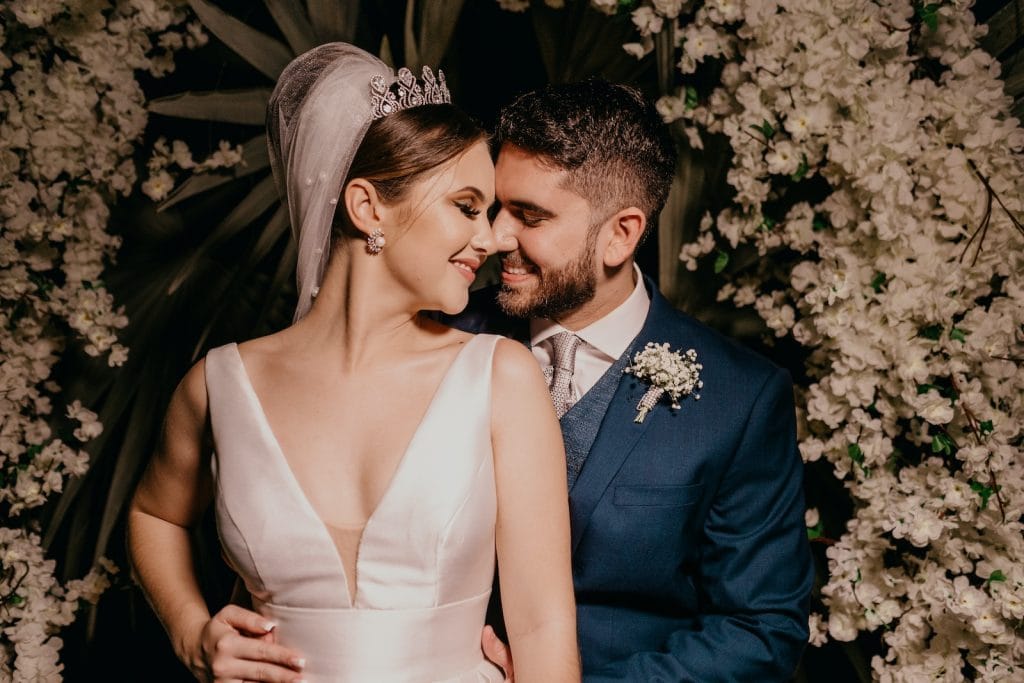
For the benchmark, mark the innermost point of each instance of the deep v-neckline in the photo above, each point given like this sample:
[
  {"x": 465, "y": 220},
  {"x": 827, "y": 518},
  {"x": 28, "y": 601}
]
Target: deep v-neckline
[{"x": 301, "y": 494}]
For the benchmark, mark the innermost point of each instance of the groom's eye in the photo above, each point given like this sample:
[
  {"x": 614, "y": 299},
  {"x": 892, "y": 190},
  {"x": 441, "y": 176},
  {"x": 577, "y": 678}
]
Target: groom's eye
[{"x": 530, "y": 220}]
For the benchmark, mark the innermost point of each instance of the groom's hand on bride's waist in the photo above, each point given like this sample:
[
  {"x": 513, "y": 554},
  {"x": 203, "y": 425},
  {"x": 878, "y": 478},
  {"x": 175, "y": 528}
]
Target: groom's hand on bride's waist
[
  {"x": 237, "y": 644},
  {"x": 497, "y": 652}
]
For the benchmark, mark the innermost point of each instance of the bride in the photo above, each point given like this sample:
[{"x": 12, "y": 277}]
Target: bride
[{"x": 367, "y": 465}]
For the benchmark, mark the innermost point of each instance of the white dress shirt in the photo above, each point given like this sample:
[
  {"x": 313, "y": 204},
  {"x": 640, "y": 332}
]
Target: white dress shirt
[{"x": 604, "y": 340}]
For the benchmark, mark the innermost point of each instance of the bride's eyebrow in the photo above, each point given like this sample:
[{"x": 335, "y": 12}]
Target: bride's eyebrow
[{"x": 473, "y": 190}]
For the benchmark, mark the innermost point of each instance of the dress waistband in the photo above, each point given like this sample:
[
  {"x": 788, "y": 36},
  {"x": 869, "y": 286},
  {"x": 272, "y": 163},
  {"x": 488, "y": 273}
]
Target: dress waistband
[{"x": 426, "y": 644}]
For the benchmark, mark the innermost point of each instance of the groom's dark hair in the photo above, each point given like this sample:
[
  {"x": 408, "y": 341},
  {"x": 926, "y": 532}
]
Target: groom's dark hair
[{"x": 609, "y": 139}]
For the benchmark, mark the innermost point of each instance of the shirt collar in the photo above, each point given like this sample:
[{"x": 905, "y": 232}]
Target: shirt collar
[{"x": 612, "y": 334}]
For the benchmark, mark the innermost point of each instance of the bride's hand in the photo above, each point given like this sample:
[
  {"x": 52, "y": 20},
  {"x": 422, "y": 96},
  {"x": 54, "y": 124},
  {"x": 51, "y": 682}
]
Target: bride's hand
[
  {"x": 497, "y": 652},
  {"x": 237, "y": 645}
]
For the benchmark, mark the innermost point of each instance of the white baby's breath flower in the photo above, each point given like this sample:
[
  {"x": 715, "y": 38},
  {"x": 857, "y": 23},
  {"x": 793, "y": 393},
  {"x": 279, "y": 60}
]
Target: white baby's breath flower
[{"x": 668, "y": 372}]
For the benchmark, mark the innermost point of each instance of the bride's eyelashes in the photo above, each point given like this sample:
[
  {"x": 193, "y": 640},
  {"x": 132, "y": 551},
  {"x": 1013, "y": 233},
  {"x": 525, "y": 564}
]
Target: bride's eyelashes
[{"x": 467, "y": 209}]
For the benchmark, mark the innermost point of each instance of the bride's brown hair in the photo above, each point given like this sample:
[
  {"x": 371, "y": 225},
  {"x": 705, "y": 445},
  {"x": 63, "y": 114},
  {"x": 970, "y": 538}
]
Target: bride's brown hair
[{"x": 403, "y": 146}]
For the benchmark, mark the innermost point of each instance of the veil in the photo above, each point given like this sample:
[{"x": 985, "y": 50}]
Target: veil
[{"x": 317, "y": 117}]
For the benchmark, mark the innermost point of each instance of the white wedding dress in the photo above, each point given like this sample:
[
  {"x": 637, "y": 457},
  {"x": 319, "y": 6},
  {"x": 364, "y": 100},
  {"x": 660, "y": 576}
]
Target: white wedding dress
[{"x": 424, "y": 563}]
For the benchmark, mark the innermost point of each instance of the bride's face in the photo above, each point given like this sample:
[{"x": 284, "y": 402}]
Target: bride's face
[{"x": 444, "y": 234}]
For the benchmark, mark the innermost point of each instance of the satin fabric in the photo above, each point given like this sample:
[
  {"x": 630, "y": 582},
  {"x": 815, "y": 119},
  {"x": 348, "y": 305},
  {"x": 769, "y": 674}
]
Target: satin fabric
[{"x": 425, "y": 561}]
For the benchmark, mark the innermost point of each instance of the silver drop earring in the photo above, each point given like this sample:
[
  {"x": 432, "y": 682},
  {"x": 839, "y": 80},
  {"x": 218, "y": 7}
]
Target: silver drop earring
[{"x": 375, "y": 241}]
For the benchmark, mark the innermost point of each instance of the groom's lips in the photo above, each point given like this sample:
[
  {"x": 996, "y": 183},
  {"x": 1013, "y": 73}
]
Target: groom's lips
[
  {"x": 514, "y": 270},
  {"x": 515, "y": 273}
]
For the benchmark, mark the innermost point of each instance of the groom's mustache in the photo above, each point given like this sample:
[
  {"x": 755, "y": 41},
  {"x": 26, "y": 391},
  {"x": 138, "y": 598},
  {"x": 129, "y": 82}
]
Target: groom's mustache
[{"x": 513, "y": 259}]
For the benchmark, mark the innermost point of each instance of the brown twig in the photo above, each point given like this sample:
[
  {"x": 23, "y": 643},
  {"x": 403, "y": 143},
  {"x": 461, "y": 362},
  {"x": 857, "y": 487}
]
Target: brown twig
[
  {"x": 9, "y": 574},
  {"x": 975, "y": 426},
  {"x": 763, "y": 142},
  {"x": 986, "y": 219}
]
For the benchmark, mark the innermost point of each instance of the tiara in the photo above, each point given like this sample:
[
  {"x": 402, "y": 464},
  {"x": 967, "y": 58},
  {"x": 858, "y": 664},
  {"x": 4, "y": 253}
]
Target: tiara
[{"x": 407, "y": 92}]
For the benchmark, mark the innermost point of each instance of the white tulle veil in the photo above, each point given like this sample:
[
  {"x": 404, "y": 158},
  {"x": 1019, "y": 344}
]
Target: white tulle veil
[{"x": 317, "y": 117}]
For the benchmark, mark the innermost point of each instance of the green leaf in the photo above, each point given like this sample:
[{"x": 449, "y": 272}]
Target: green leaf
[
  {"x": 767, "y": 224},
  {"x": 764, "y": 129},
  {"x": 924, "y": 388},
  {"x": 436, "y": 24},
  {"x": 958, "y": 334},
  {"x": 986, "y": 427},
  {"x": 997, "y": 575},
  {"x": 265, "y": 54},
  {"x": 983, "y": 491},
  {"x": 815, "y": 532},
  {"x": 877, "y": 281},
  {"x": 932, "y": 332},
  {"x": 247, "y": 107},
  {"x": 801, "y": 170},
  {"x": 690, "y": 100},
  {"x": 941, "y": 443},
  {"x": 294, "y": 24},
  {"x": 245, "y": 213},
  {"x": 855, "y": 453},
  {"x": 333, "y": 20},
  {"x": 819, "y": 223},
  {"x": 929, "y": 15},
  {"x": 721, "y": 261}
]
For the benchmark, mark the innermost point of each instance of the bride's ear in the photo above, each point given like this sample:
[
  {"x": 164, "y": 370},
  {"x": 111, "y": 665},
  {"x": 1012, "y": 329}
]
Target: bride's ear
[{"x": 363, "y": 205}]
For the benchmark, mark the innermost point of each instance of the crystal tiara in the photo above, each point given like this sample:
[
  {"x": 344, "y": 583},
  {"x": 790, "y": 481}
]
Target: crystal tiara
[{"x": 407, "y": 92}]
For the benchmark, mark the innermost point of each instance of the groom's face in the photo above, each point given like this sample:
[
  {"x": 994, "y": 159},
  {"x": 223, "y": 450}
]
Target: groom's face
[{"x": 550, "y": 266}]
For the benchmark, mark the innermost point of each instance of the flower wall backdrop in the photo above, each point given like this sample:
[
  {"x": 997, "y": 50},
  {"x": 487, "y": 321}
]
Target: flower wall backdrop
[
  {"x": 874, "y": 225},
  {"x": 875, "y": 170},
  {"x": 72, "y": 113}
]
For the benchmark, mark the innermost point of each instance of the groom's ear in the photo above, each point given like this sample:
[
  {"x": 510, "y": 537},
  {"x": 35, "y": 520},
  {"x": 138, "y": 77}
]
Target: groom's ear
[
  {"x": 364, "y": 206},
  {"x": 627, "y": 227}
]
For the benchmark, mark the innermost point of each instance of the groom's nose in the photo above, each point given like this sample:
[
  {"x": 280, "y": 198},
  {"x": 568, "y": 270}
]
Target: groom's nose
[{"x": 504, "y": 228}]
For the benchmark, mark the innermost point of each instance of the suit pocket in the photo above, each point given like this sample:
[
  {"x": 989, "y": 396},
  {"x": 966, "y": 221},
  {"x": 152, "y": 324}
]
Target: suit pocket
[{"x": 657, "y": 496}]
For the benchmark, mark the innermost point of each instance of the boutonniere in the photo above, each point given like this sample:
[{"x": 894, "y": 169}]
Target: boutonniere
[{"x": 668, "y": 372}]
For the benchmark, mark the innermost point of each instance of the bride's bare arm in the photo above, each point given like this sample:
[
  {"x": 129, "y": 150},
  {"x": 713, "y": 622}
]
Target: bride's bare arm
[
  {"x": 170, "y": 498},
  {"x": 533, "y": 521}
]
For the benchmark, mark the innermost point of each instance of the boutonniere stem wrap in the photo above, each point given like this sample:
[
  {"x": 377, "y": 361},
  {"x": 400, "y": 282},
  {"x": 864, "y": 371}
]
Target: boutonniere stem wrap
[{"x": 668, "y": 372}]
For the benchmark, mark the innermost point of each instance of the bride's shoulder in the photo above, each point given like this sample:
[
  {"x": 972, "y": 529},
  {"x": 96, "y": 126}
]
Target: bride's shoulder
[{"x": 513, "y": 364}]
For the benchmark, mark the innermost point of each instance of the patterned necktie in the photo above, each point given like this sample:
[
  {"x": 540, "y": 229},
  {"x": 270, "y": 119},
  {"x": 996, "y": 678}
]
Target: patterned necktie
[{"x": 563, "y": 346}]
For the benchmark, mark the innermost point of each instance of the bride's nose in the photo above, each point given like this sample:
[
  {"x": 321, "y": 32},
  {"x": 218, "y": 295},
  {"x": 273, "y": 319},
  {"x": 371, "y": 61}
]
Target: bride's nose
[{"x": 483, "y": 239}]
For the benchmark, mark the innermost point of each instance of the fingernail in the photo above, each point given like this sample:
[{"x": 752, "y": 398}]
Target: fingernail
[
  {"x": 269, "y": 626},
  {"x": 299, "y": 662}
]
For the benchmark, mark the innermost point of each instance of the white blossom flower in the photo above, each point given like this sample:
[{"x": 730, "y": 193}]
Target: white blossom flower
[
  {"x": 647, "y": 21},
  {"x": 910, "y": 333},
  {"x": 72, "y": 115}
]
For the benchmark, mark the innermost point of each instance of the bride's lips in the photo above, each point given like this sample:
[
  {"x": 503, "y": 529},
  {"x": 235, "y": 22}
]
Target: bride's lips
[{"x": 467, "y": 267}]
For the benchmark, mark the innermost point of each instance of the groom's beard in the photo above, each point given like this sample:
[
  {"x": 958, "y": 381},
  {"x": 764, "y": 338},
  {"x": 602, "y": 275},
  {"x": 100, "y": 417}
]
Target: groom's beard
[{"x": 553, "y": 292}]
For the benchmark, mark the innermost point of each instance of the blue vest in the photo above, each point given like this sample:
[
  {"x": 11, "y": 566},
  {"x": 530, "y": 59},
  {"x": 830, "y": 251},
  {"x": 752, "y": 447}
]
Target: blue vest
[{"x": 582, "y": 421}]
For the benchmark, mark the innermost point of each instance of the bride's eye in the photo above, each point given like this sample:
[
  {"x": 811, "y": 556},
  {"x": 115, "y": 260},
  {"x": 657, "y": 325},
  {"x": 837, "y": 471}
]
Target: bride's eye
[{"x": 467, "y": 209}]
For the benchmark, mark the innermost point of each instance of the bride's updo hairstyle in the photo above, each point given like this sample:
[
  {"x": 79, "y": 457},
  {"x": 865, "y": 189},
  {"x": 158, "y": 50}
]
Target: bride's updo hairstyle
[{"x": 327, "y": 125}]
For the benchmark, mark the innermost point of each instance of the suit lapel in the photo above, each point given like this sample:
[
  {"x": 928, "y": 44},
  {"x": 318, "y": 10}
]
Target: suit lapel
[
  {"x": 618, "y": 434},
  {"x": 615, "y": 441}
]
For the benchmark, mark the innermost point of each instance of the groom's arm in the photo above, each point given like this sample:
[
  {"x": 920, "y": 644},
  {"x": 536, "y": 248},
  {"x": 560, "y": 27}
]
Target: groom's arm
[{"x": 755, "y": 574}]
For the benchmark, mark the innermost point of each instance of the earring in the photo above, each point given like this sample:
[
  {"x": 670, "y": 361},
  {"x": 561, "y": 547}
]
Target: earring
[{"x": 375, "y": 241}]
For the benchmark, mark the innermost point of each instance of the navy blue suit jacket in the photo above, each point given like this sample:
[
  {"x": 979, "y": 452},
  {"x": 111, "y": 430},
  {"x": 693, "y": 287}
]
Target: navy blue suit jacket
[{"x": 690, "y": 556}]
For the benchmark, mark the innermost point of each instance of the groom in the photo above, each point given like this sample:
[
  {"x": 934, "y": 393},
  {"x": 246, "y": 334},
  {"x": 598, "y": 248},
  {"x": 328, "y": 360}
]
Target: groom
[{"x": 690, "y": 559}]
